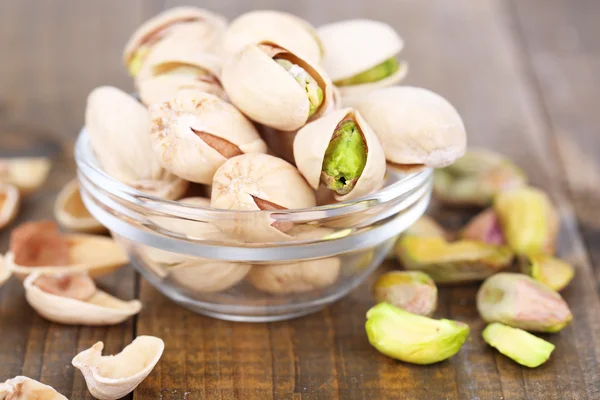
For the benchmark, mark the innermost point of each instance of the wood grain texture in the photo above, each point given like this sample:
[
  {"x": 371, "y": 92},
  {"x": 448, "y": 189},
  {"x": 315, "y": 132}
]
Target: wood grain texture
[{"x": 525, "y": 77}]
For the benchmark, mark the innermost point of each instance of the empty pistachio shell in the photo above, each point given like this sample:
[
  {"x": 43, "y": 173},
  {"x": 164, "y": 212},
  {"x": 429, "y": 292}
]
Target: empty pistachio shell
[
  {"x": 4, "y": 271},
  {"x": 113, "y": 377},
  {"x": 415, "y": 126},
  {"x": 456, "y": 262},
  {"x": 71, "y": 213},
  {"x": 207, "y": 276},
  {"x": 528, "y": 219},
  {"x": 24, "y": 388},
  {"x": 518, "y": 345},
  {"x": 522, "y": 302},
  {"x": 413, "y": 338},
  {"x": 254, "y": 182},
  {"x": 484, "y": 227},
  {"x": 475, "y": 178},
  {"x": 286, "y": 29},
  {"x": 195, "y": 133},
  {"x": 74, "y": 300},
  {"x": 280, "y": 96},
  {"x": 27, "y": 174},
  {"x": 341, "y": 151},
  {"x": 551, "y": 271},
  {"x": 190, "y": 28},
  {"x": 413, "y": 291},
  {"x": 10, "y": 201}
]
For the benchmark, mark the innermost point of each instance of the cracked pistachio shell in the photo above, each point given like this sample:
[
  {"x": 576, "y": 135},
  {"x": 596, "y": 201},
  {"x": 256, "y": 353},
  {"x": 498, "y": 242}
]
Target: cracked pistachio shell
[
  {"x": 24, "y": 388},
  {"x": 551, "y": 271},
  {"x": 475, "y": 178},
  {"x": 415, "y": 126},
  {"x": 312, "y": 141},
  {"x": 267, "y": 93},
  {"x": 66, "y": 304},
  {"x": 179, "y": 29},
  {"x": 484, "y": 227},
  {"x": 113, "y": 377},
  {"x": 456, "y": 262},
  {"x": 291, "y": 32},
  {"x": 413, "y": 338},
  {"x": 4, "y": 271},
  {"x": 26, "y": 173},
  {"x": 518, "y": 345},
  {"x": 253, "y": 182},
  {"x": 195, "y": 133},
  {"x": 208, "y": 276},
  {"x": 71, "y": 213},
  {"x": 10, "y": 201},
  {"x": 413, "y": 291},
  {"x": 522, "y": 302},
  {"x": 528, "y": 219}
]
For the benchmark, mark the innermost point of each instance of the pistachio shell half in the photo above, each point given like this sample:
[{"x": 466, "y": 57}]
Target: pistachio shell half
[
  {"x": 74, "y": 300},
  {"x": 10, "y": 201},
  {"x": 415, "y": 126},
  {"x": 27, "y": 174},
  {"x": 341, "y": 151},
  {"x": 413, "y": 291},
  {"x": 24, "y": 388},
  {"x": 272, "y": 94},
  {"x": 113, "y": 377},
  {"x": 208, "y": 276},
  {"x": 551, "y": 271},
  {"x": 71, "y": 213}
]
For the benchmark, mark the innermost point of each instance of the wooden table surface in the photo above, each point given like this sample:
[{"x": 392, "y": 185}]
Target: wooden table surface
[{"x": 525, "y": 75}]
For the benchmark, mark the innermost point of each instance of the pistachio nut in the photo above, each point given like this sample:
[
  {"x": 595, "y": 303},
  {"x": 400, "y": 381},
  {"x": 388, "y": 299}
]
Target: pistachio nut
[
  {"x": 113, "y": 377},
  {"x": 416, "y": 127},
  {"x": 360, "y": 55},
  {"x": 520, "y": 301},
  {"x": 484, "y": 227},
  {"x": 208, "y": 276},
  {"x": 258, "y": 26},
  {"x": 74, "y": 300},
  {"x": 528, "y": 219},
  {"x": 457, "y": 262},
  {"x": 517, "y": 344},
  {"x": 71, "y": 213},
  {"x": 10, "y": 201},
  {"x": 24, "y": 388},
  {"x": 475, "y": 178},
  {"x": 426, "y": 226},
  {"x": 413, "y": 338},
  {"x": 26, "y": 173},
  {"x": 119, "y": 130},
  {"x": 195, "y": 133},
  {"x": 254, "y": 182},
  {"x": 193, "y": 29},
  {"x": 340, "y": 151},
  {"x": 413, "y": 291},
  {"x": 551, "y": 271},
  {"x": 4, "y": 272},
  {"x": 276, "y": 87}
]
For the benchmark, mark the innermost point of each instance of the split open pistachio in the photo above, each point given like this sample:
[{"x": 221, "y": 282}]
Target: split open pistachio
[
  {"x": 484, "y": 227},
  {"x": 413, "y": 338},
  {"x": 360, "y": 55},
  {"x": 475, "y": 178},
  {"x": 208, "y": 276},
  {"x": 551, "y": 271},
  {"x": 416, "y": 127},
  {"x": 113, "y": 377},
  {"x": 181, "y": 28},
  {"x": 528, "y": 219},
  {"x": 26, "y": 173},
  {"x": 194, "y": 133},
  {"x": 413, "y": 291},
  {"x": 24, "y": 388},
  {"x": 276, "y": 87},
  {"x": 456, "y": 262},
  {"x": 522, "y": 302},
  {"x": 518, "y": 345},
  {"x": 10, "y": 201},
  {"x": 341, "y": 152},
  {"x": 71, "y": 213}
]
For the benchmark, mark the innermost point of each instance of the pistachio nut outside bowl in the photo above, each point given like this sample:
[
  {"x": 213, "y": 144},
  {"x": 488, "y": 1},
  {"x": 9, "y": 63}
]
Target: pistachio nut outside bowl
[{"x": 188, "y": 253}]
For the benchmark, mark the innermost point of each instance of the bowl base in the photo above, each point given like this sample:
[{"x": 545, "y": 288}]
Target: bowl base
[{"x": 251, "y": 318}]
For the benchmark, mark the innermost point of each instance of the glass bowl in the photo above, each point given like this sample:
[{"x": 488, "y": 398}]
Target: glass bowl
[{"x": 197, "y": 257}]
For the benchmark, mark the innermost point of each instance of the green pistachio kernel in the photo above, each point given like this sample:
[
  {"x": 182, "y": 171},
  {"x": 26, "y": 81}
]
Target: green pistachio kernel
[
  {"x": 310, "y": 85},
  {"x": 517, "y": 344},
  {"x": 345, "y": 158},
  {"x": 137, "y": 60},
  {"x": 377, "y": 73}
]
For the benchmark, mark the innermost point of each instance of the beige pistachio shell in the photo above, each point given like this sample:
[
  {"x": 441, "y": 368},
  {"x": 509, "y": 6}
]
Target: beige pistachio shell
[
  {"x": 356, "y": 45},
  {"x": 99, "y": 309},
  {"x": 208, "y": 276},
  {"x": 267, "y": 93},
  {"x": 415, "y": 126},
  {"x": 113, "y": 377},
  {"x": 4, "y": 271},
  {"x": 92, "y": 254},
  {"x": 71, "y": 213},
  {"x": 291, "y": 32},
  {"x": 27, "y": 174},
  {"x": 170, "y": 187},
  {"x": 10, "y": 201},
  {"x": 195, "y": 133},
  {"x": 24, "y": 388},
  {"x": 311, "y": 143}
]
